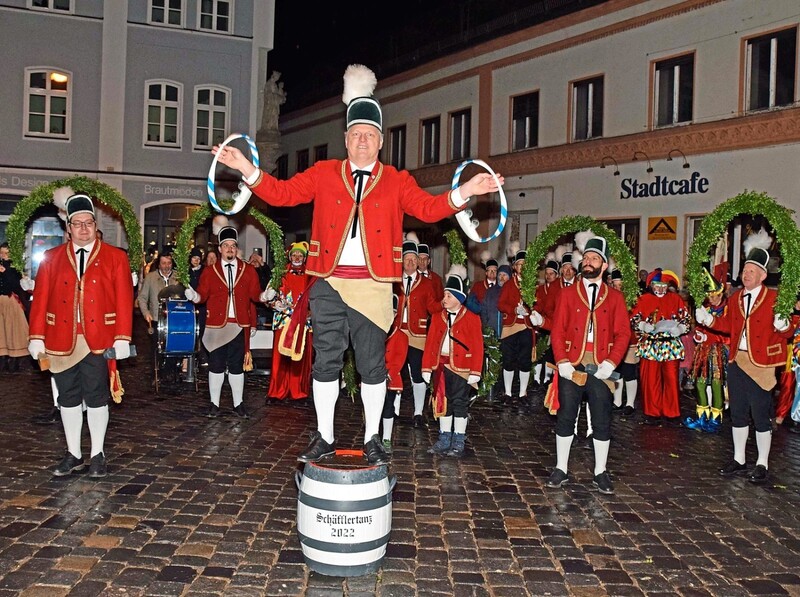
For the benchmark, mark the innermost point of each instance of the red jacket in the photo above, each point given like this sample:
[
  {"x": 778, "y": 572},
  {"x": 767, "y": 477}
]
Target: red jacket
[
  {"x": 546, "y": 300},
  {"x": 104, "y": 299},
  {"x": 611, "y": 325},
  {"x": 213, "y": 290},
  {"x": 438, "y": 285},
  {"x": 766, "y": 346},
  {"x": 422, "y": 304},
  {"x": 396, "y": 354},
  {"x": 510, "y": 296},
  {"x": 389, "y": 195},
  {"x": 466, "y": 346}
]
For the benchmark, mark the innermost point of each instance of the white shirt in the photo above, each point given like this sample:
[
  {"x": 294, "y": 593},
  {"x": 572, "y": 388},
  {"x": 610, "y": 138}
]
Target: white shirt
[
  {"x": 405, "y": 285},
  {"x": 587, "y": 286},
  {"x": 231, "y": 310},
  {"x": 75, "y": 250},
  {"x": 754, "y": 294}
]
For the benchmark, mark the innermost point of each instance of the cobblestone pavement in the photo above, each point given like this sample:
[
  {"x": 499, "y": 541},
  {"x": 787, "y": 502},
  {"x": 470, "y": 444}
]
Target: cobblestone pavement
[{"x": 197, "y": 506}]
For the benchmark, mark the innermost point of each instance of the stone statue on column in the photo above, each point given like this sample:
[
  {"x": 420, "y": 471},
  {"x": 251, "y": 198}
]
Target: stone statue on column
[{"x": 268, "y": 136}]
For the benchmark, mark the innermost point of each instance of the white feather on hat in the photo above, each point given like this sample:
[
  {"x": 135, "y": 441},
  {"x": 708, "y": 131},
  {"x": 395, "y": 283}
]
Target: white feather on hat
[
  {"x": 60, "y": 196},
  {"x": 513, "y": 249},
  {"x": 612, "y": 265},
  {"x": 551, "y": 256},
  {"x": 560, "y": 251},
  {"x": 485, "y": 255},
  {"x": 457, "y": 270},
  {"x": 412, "y": 236},
  {"x": 218, "y": 223},
  {"x": 359, "y": 81},
  {"x": 581, "y": 238},
  {"x": 757, "y": 240}
]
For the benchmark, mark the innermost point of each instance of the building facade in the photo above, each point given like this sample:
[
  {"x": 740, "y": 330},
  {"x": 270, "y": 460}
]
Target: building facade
[
  {"x": 132, "y": 93},
  {"x": 645, "y": 114}
]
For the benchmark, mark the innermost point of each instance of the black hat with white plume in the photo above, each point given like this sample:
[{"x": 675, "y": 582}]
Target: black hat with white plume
[
  {"x": 456, "y": 283},
  {"x": 756, "y": 248},
  {"x": 362, "y": 108}
]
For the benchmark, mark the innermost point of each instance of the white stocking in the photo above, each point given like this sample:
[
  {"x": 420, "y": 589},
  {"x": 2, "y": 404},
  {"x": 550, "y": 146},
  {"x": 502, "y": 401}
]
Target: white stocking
[
  {"x": 524, "y": 377},
  {"x": 237, "y": 387},
  {"x": 631, "y": 387},
  {"x": 618, "y": 386},
  {"x": 98, "y": 423},
  {"x": 460, "y": 425},
  {"x": 419, "y": 397},
  {"x": 215, "y": 381},
  {"x": 388, "y": 425},
  {"x": 600, "y": 455},
  {"x": 508, "y": 380},
  {"x": 445, "y": 424},
  {"x": 740, "y": 443},
  {"x": 72, "y": 418},
  {"x": 325, "y": 395},
  {"x": 563, "y": 445},
  {"x": 372, "y": 397},
  {"x": 764, "y": 442}
]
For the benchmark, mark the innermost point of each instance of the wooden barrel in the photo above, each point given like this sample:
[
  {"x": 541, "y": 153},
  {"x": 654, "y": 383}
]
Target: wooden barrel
[{"x": 344, "y": 514}]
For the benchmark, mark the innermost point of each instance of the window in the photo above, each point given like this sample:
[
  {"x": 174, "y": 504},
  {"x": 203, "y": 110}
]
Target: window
[
  {"x": 430, "y": 141},
  {"x": 587, "y": 109},
  {"x": 62, "y": 5},
  {"x": 673, "y": 90},
  {"x": 162, "y": 114},
  {"x": 48, "y": 103},
  {"x": 210, "y": 116},
  {"x": 282, "y": 167},
  {"x": 215, "y": 15},
  {"x": 320, "y": 153},
  {"x": 302, "y": 160},
  {"x": 167, "y": 12},
  {"x": 460, "y": 134},
  {"x": 525, "y": 121},
  {"x": 770, "y": 70},
  {"x": 628, "y": 231},
  {"x": 397, "y": 147}
]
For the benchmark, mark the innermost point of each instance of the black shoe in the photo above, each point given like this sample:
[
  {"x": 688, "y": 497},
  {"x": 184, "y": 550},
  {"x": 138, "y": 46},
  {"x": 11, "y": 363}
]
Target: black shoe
[
  {"x": 588, "y": 443},
  {"x": 317, "y": 449},
  {"x": 653, "y": 421},
  {"x": 420, "y": 422},
  {"x": 617, "y": 410},
  {"x": 557, "y": 478},
  {"x": 213, "y": 411},
  {"x": 602, "y": 483},
  {"x": 627, "y": 411},
  {"x": 241, "y": 412},
  {"x": 733, "y": 468},
  {"x": 374, "y": 451},
  {"x": 672, "y": 422},
  {"x": 50, "y": 418},
  {"x": 97, "y": 466},
  {"x": 68, "y": 465},
  {"x": 759, "y": 475}
]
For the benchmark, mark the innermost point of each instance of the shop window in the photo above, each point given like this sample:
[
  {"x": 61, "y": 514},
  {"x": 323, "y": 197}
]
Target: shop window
[
  {"x": 628, "y": 231},
  {"x": 525, "y": 121},
  {"x": 587, "y": 109},
  {"x": 211, "y": 107},
  {"x": 430, "y": 141},
  {"x": 460, "y": 134},
  {"x": 48, "y": 103},
  {"x": 162, "y": 114},
  {"x": 771, "y": 70},
  {"x": 673, "y": 90},
  {"x": 397, "y": 147}
]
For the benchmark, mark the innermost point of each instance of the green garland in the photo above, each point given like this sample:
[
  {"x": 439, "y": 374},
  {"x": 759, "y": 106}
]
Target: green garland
[
  {"x": 618, "y": 250},
  {"x": 713, "y": 227},
  {"x": 200, "y": 215},
  {"x": 43, "y": 194},
  {"x": 458, "y": 255},
  {"x": 491, "y": 347}
]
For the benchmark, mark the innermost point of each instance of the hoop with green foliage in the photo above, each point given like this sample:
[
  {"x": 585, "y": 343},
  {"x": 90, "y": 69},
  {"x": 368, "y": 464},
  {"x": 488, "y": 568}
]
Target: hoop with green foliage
[
  {"x": 200, "y": 215},
  {"x": 713, "y": 227},
  {"x": 43, "y": 194},
  {"x": 618, "y": 250}
]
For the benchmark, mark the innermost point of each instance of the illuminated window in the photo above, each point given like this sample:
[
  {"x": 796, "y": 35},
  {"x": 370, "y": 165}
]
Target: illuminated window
[
  {"x": 587, "y": 109},
  {"x": 525, "y": 121},
  {"x": 48, "y": 103},
  {"x": 430, "y": 141},
  {"x": 673, "y": 90},
  {"x": 460, "y": 134},
  {"x": 770, "y": 70}
]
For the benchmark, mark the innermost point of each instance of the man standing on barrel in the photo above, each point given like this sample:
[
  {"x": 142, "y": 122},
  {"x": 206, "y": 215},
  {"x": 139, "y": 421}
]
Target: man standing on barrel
[{"x": 82, "y": 306}]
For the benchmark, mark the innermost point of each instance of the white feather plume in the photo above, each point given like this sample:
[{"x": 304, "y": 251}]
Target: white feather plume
[
  {"x": 757, "y": 240},
  {"x": 612, "y": 265},
  {"x": 513, "y": 249},
  {"x": 457, "y": 270},
  {"x": 551, "y": 256},
  {"x": 562, "y": 250},
  {"x": 577, "y": 257},
  {"x": 60, "y": 196},
  {"x": 359, "y": 81},
  {"x": 412, "y": 236},
  {"x": 485, "y": 255},
  {"x": 581, "y": 238},
  {"x": 218, "y": 223}
]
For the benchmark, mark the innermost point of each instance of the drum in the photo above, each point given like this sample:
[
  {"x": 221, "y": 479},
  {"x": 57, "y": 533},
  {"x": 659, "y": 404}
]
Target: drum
[{"x": 178, "y": 327}]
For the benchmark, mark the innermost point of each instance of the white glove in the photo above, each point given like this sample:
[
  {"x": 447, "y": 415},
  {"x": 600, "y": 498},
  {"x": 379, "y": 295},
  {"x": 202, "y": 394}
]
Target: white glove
[
  {"x": 703, "y": 316},
  {"x": 566, "y": 370},
  {"x": 268, "y": 294},
  {"x": 781, "y": 323},
  {"x": 521, "y": 311},
  {"x": 36, "y": 347},
  {"x": 473, "y": 380},
  {"x": 253, "y": 332},
  {"x": 191, "y": 294},
  {"x": 536, "y": 318},
  {"x": 426, "y": 376},
  {"x": 604, "y": 370},
  {"x": 135, "y": 278},
  {"x": 27, "y": 284},
  {"x": 122, "y": 349},
  {"x": 664, "y": 326},
  {"x": 645, "y": 327}
]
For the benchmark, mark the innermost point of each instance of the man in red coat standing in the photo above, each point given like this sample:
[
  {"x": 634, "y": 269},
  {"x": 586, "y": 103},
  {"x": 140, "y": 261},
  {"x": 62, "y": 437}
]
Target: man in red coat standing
[
  {"x": 590, "y": 330},
  {"x": 355, "y": 252},
  {"x": 229, "y": 289},
  {"x": 82, "y": 305},
  {"x": 424, "y": 259},
  {"x": 758, "y": 346}
]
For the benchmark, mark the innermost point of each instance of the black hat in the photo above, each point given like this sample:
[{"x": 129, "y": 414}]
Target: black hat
[
  {"x": 520, "y": 256},
  {"x": 228, "y": 233},
  {"x": 423, "y": 249},
  {"x": 455, "y": 286},
  {"x": 759, "y": 257},
  {"x": 566, "y": 258},
  {"x": 597, "y": 244},
  {"x": 195, "y": 252},
  {"x": 490, "y": 263},
  {"x": 552, "y": 264},
  {"x": 616, "y": 274},
  {"x": 79, "y": 204},
  {"x": 409, "y": 246},
  {"x": 362, "y": 108}
]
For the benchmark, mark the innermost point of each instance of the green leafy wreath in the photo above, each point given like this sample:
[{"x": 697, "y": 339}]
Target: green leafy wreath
[
  {"x": 43, "y": 194},
  {"x": 713, "y": 227},
  {"x": 200, "y": 215},
  {"x": 537, "y": 251}
]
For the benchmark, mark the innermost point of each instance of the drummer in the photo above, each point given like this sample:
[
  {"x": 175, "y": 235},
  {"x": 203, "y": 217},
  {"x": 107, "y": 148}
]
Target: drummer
[{"x": 155, "y": 287}]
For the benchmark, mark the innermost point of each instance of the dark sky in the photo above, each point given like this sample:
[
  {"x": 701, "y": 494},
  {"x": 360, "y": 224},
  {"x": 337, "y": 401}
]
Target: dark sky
[{"x": 314, "y": 42}]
